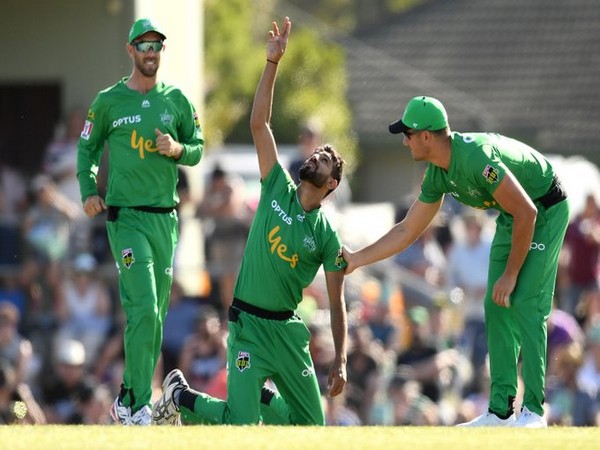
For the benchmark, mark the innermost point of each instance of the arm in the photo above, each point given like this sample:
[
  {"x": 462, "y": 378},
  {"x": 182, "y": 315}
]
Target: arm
[
  {"x": 400, "y": 237},
  {"x": 339, "y": 328},
  {"x": 513, "y": 199},
  {"x": 263, "y": 100}
]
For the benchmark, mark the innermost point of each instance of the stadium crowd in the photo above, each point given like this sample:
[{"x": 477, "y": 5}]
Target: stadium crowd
[{"x": 415, "y": 358}]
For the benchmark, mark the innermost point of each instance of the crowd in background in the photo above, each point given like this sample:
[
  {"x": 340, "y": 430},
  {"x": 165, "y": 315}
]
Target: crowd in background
[{"x": 414, "y": 358}]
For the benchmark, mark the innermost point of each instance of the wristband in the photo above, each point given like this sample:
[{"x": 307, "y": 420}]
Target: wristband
[{"x": 272, "y": 62}]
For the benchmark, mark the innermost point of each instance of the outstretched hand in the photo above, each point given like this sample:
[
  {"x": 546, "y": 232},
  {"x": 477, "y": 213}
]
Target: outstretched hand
[
  {"x": 277, "y": 42},
  {"x": 348, "y": 256}
]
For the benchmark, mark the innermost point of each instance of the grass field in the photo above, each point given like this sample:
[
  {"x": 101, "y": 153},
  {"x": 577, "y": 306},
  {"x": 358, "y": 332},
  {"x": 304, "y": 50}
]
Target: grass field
[{"x": 290, "y": 438}]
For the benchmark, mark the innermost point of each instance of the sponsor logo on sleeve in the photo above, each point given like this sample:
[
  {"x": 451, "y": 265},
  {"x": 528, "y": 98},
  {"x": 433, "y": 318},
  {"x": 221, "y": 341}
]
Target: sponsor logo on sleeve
[
  {"x": 491, "y": 174},
  {"x": 87, "y": 130}
]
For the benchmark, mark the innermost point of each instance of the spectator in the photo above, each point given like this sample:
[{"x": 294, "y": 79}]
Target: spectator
[
  {"x": 567, "y": 403},
  {"x": 466, "y": 273},
  {"x": 227, "y": 218},
  {"x": 310, "y": 137},
  {"x": 179, "y": 324},
  {"x": 563, "y": 330},
  {"x": 364, "y": 373},
  {"x": 66, "y": 383},
  {"x": 426, "y": 257},
  {"x": 14, "y": 348},
  {"x": 432, "y": 368},
  {"x": 582, "y": 244},
  {"x": 204, "y": 352},
  {"x": 85, "y": 309},
  {"x": 17, "y": 403},
  {"x": 589, "y": 375},
  {"x": 407, "y": 405}
]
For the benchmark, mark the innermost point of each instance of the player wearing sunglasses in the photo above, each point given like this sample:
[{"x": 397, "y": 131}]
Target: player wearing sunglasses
[{"x": 150, "y": 127}]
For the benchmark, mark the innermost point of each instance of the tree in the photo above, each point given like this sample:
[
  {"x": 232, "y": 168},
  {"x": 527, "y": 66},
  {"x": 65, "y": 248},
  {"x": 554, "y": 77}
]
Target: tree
[{"x": 311, "y": 85}]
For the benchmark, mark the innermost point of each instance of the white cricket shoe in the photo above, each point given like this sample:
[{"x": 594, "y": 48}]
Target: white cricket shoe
[
  {"x": 489, "y": 420},
  {"x": 142, "y": 417},
  {"x": 529, "y": 419},
  {"x": 166, "y": 411},
  {"x": 120, "y": 414}
]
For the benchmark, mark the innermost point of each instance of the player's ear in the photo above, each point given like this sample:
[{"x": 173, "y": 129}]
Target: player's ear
[{"x": 332, "y": 183}]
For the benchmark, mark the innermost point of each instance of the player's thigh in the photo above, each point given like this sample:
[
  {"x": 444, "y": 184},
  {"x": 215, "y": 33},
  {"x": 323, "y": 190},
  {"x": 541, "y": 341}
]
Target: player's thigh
[{"x": 296, "y": 379}]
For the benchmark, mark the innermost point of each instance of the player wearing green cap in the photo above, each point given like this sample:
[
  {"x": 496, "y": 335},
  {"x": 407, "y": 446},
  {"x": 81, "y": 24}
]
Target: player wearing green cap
[
  {"x": 150, "y": 128},
  {"x": 290, "y": 239},
  {"x": 486, "y": 170}
]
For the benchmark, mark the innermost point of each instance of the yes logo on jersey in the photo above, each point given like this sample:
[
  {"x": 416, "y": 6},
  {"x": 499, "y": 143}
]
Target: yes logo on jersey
[
  {"x": 127, "y": 257},
  {"x": 243, "y": 361},
  {"x": 491, "y": 174}
]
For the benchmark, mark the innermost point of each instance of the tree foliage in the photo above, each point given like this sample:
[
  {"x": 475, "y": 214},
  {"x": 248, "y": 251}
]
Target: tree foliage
[{"x": 312, "y": 80}]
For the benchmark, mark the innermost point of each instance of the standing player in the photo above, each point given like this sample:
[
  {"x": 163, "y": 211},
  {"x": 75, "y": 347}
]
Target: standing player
[
  {"x": 150, "y": 127},
  {"x": 289, "y": 240},
  {"x": 485, "y": 170}
]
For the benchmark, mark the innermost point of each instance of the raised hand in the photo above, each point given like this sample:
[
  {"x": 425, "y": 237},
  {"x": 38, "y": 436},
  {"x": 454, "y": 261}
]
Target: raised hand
[{"x": 277, "y": 42}]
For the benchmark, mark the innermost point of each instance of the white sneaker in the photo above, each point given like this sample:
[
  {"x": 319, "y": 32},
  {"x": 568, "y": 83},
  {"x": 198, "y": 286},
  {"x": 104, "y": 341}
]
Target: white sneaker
[
  {"x": 489, "y": 420},
  {"x": 119, "y": 413},
  {"x": 142, "y": 417},
  {"x": 166, "y": 411},
  {"x": 529, "y": 419}
]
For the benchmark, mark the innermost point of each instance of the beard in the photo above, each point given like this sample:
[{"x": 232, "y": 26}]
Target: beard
[
  {"x": 148, "y": 72},
  {"x": 308, "y": 172}
]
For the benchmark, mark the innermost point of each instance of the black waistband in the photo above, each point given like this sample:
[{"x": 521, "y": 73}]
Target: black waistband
[
  {"x": 555, "y": 194},
  {"x": 259, "y": 312},
  {"x": 148, "y": 209}
]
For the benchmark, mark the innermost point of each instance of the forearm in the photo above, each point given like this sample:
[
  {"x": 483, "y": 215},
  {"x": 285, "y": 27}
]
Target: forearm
[
  {"x": 396, "y": 240},
  {"x": 522, "y": 235},
  {"x": 339, "y": 327},
  {"x": 263, "y": 98}
]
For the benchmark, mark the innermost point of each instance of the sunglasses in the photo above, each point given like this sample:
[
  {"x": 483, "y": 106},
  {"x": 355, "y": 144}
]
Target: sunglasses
[
  {"x": 145, "y": 46},
  {"x": 409, "y": 134}
]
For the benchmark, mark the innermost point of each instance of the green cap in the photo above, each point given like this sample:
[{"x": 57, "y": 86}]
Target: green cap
[
  {"x": 421, "y": 113},
  {"x": 142, "y": 26}
]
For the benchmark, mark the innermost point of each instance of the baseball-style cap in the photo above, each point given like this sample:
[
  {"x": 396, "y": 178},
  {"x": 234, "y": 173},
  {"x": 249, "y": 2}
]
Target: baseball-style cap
[
  {"x": 142, "y": 26},
  {"x": 421, "y": 113}
]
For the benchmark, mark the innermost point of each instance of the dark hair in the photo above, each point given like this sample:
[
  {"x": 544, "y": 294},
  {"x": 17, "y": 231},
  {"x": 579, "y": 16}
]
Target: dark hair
[{"x": 338, "y": 163}]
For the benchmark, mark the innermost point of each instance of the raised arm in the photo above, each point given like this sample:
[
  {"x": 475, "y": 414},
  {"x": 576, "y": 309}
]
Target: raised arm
[{"x": 264, "y": 141}]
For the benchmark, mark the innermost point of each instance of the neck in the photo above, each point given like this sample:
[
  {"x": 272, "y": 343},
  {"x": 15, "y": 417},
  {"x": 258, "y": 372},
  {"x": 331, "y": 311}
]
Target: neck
[
  {"x": 441, "y": 154},
  {"x": 310, "y": 197},
  {"x": 140, "y": 83}
]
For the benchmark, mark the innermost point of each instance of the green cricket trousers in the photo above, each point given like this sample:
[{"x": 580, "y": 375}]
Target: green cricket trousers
[
  {"x": 521, "y": 328},
  {"x": 262, "y": 345},
  {"x": 143, "y": 244}
]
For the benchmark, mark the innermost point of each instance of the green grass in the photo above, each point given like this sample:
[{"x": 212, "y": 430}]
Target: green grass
[{"x": 290, "y": 438}]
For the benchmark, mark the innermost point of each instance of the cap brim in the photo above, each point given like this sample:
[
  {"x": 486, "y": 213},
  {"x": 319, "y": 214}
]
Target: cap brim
[
  {"x": 398, "y": 127},
  {"x": 148, "y": 31}
]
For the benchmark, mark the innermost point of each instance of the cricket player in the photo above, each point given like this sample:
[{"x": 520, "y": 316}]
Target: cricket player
[
  {"x": 290, "y": 238},
  {"x": 486, "y": 170},
  {"x": 150, "y": 128}
]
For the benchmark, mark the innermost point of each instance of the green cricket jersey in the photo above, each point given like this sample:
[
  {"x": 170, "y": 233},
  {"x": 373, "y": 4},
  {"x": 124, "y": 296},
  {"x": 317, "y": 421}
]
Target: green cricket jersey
[
  {"x": 285, "y": 248},
  {"x": 126, "y": 119},
  {"x": 479, "y": 161}
]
